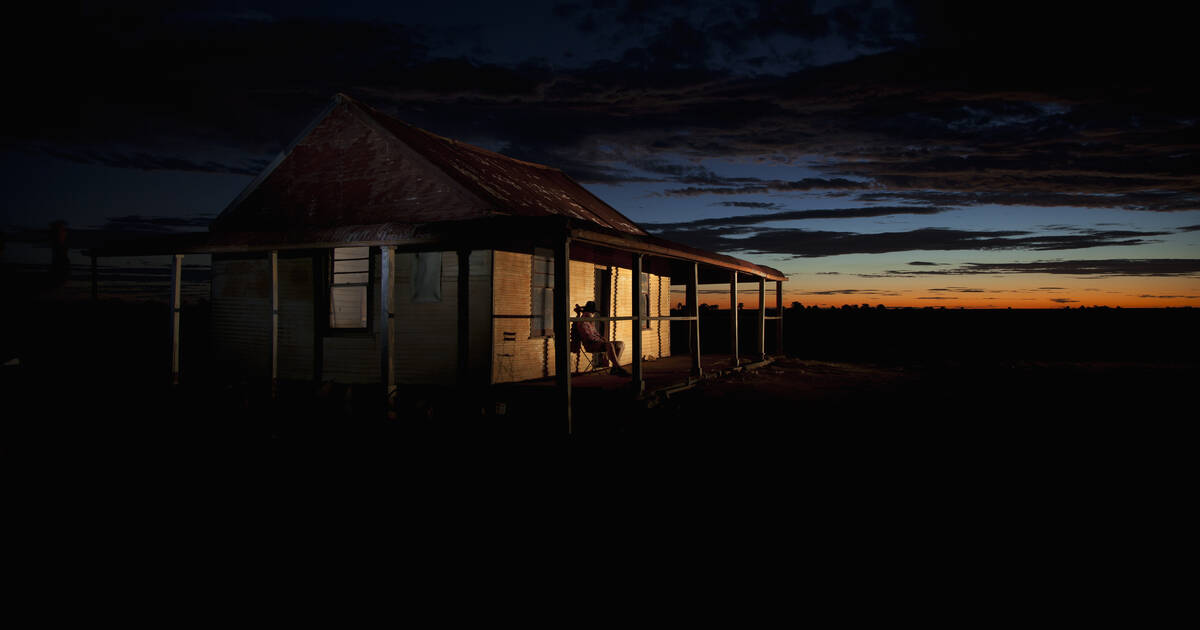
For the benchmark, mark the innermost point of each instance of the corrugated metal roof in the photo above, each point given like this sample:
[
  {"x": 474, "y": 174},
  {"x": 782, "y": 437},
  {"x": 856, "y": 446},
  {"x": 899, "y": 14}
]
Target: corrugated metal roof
[
  {"x": 357, "y": 176},
  {"x": 512, "y": 186},
  {"x": 356, "y": 165}
]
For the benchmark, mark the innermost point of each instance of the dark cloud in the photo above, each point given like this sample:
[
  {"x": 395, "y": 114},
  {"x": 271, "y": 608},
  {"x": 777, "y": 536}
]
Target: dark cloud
[
  {"x": 587, "y": 24},
  {"x": 144, "y": 161},
  {"x": 1189, "y": 228},
  {"x": 140, "y": 223},
  {"x": 759, "y": 187},
  {"x": 761, "y": 205},
  {"x": 762, "y": 32},
  {"x": 1064, "y": 300},
  {"x": 947, "y": 113},
  {"x": 585, "y": 170},
  {"x": 685, "y": 173},
  {"x": 677, "y": 46},
  {"x": 1108, "y": 267},
  {"x": 850, "y": 292},
  {"x": 1151, "y": 201},
  {"x": 798, "y": 18},
  {"x": 566, "y": 10},
  {"x": 741, "y": 238},
  {"x": 152, "y": 78},
  {"x": 792, "y": 215},
  {"x": 921, "y": 263}
]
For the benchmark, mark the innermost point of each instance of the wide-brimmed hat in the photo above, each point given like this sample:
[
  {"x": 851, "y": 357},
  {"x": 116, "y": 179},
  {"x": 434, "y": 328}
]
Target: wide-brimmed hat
[{"x": 590, "y": 307}]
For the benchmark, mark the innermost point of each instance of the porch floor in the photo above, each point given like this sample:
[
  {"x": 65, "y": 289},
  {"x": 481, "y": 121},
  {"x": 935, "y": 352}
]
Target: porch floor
[
  {"x": 660, "y": 375},
  {"x": 602, "y": 402}
]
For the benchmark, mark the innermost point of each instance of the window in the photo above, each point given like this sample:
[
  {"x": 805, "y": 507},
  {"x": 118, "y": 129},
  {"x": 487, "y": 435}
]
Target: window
[
  {"x": 603, "y": 297},
  {"x": 427, "y": 277},
  {"x": 644, "y": 290},
  {"x": 541, "y": 294},
  {"x": 348, "y": 284}
]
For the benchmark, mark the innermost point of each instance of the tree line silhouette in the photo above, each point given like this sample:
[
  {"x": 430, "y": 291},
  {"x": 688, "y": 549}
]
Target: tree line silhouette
[{"x": 896, "y": 335}]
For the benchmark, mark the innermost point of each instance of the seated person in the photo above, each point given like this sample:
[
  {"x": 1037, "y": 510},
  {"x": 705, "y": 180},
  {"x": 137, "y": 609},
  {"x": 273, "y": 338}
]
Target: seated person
[{"x": 592, "y": 341}]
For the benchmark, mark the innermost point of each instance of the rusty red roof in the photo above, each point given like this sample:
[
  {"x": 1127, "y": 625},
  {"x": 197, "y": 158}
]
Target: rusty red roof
[
  {"x": 358, "y": 176},
  {"x": 512, "y": 186},
  {"x": 356, "y": 165}
]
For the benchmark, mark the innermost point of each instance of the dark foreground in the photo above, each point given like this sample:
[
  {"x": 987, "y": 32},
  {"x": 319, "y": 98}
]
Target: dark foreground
[
  {"x": 92, "y": 380},
  {"x": 805, "y": 403}
]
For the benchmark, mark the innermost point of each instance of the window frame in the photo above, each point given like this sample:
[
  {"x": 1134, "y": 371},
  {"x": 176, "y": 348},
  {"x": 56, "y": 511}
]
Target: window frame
[
  {"x": 327, "y": 327},
  {"x": 644, "y": 295},
  {"x": 547, "y": 330}
]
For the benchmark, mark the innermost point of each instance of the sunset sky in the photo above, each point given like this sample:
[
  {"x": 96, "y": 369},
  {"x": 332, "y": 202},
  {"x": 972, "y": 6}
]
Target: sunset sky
[{"x": 975, "y": 154}]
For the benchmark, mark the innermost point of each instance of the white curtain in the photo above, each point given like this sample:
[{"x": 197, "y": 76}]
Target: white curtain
[{"x": 427, "y": 277}]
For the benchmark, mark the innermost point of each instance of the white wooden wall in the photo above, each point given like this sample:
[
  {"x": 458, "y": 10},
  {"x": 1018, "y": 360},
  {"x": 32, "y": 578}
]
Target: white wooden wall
[
  {"x": 518, "y": 356},
  {"x": 426, "y": 347},
  {"x": 241, "y": 317},
  {"x": 427, "y": 332}
]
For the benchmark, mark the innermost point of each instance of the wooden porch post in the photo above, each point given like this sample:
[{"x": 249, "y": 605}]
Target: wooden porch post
[
  {"x": 779, "y": 322},
  {"x": 733, "y": 317},
  {"x": 273, "y": 259},
  {"x": 176, "y": 278},
  {"x": 638, "y": 384},
  {"x": 464, "y": 315},
  {"x": 693, "y": 304},
  {"x": 387, "y": 328},
  {"x": 762, "y": 319},
  {"x": 321, "y": 297},
  {"x": 562, "y": 327}
]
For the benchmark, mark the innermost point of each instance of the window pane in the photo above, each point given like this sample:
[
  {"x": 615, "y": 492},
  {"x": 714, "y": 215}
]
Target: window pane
[
  {"x": 353, "y": 265},
  {"x": 541, "y": 294},
  {"x": 543, "y": 268},
  {"x": 348, "y": 307},
  {"x": 349, "y": 278},
  {"x": 340, "y": 253}
]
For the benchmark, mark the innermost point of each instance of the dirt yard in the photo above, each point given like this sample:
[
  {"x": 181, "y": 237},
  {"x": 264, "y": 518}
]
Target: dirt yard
[{"x": 934, "y": 401}]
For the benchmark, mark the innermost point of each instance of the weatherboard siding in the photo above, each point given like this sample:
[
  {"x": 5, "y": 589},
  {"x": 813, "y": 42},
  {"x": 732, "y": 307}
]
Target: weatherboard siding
[
  {"x": 656, "y": 340},
  {"x": 241, "y": 324},
  {"x": 295, "y": 318},
  {"x": 520, "y": 356},
  {"x": 241, "y": 317},
  {"x": 427, "y": 332}
]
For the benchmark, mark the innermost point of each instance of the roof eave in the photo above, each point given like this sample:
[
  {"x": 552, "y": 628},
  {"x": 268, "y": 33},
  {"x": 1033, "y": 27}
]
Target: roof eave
[{"x": 666, "y": 249}]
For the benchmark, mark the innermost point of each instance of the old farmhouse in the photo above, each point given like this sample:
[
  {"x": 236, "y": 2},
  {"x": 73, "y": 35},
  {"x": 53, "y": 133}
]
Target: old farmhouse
[{"x": 371, "y": 251}]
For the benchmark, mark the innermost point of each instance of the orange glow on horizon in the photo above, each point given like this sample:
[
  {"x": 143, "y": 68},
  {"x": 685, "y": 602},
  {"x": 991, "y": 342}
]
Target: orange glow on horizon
[{"x": 1111, "y": 297}]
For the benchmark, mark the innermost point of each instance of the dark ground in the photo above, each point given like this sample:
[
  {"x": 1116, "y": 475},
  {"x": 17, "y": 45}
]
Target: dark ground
[
  {"x": 97, "y": 374},
  {"x": 957, "y": 463}
]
